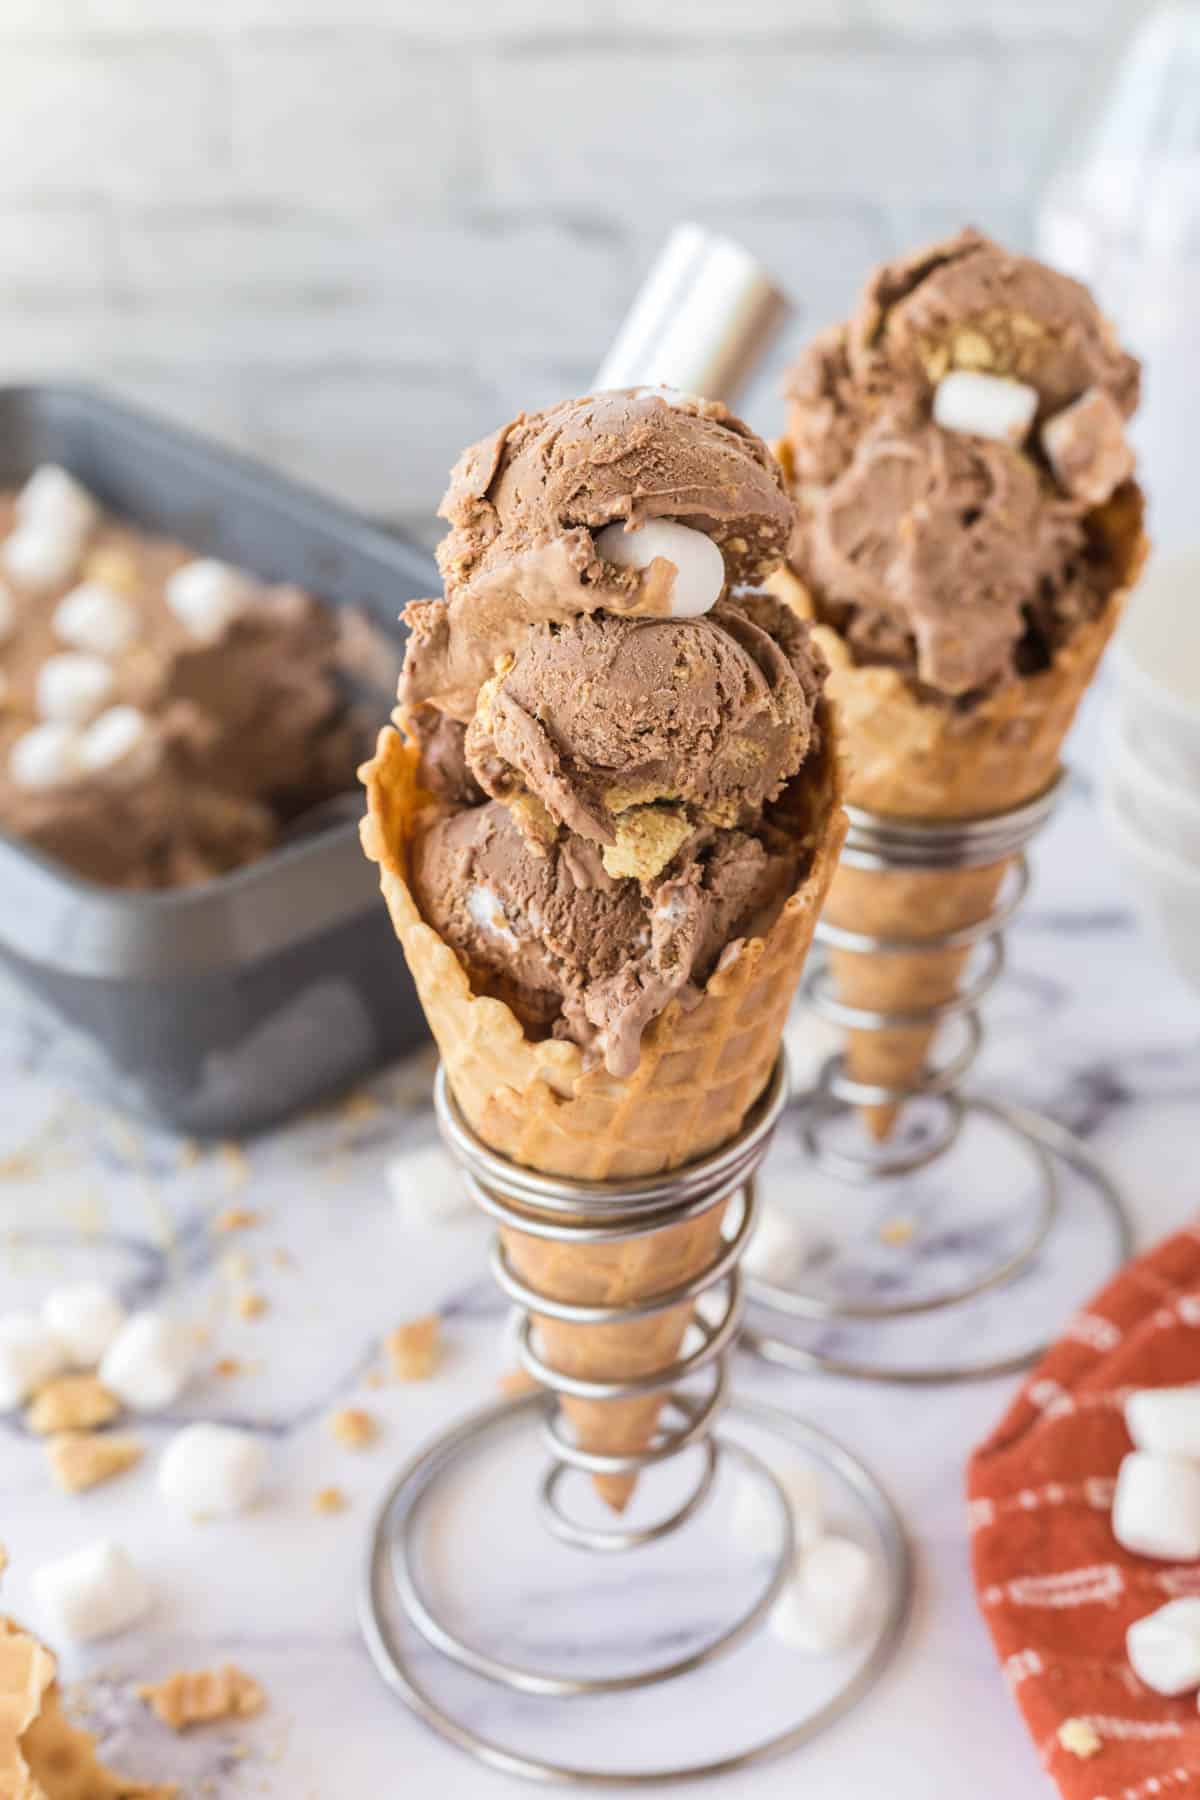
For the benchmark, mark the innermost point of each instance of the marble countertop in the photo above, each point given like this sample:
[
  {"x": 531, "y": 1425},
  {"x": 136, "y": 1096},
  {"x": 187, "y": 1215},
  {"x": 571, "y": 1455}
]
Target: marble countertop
[{"x": 1089, "y": 1025}]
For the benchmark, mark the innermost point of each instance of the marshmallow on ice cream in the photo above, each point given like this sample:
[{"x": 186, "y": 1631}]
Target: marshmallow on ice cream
[
  {"x": 627, "y": 729},
  {"x": 532, "y": 511},
  {"x": 947, "y": 446}
]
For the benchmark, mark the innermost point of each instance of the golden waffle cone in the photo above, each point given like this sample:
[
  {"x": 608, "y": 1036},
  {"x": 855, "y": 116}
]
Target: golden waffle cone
[
  {"x": 42, "y": 1755},
  {"x": 698, "y": 1075},
  {"x": 912, "y": 760}
]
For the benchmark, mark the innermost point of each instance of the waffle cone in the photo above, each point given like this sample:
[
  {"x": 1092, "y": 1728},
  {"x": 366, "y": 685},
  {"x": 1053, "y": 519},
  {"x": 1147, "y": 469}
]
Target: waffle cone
[
  {"x": 913, "y": 760},
  {"x": 535, "y": 1102},
  {"x": 42, "y": 1755}
]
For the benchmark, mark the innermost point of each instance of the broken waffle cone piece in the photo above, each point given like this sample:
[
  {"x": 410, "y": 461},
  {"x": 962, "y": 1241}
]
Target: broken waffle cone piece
[
  {"x": 915, "y": 760},
  {"x": 535, "y": 1102}
]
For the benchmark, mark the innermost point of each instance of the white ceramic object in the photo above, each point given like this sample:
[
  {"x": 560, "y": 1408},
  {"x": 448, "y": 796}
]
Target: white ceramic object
[
  {"x": 1157, "y": 660},
  {"x": 1165, "y": 811},
  {"x": 1165, "y": 888}
]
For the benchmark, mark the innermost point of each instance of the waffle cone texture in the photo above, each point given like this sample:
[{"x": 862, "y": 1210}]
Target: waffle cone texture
[
  {"x": 909, "y": 759},
  {"x": 534, "y": 1102}
]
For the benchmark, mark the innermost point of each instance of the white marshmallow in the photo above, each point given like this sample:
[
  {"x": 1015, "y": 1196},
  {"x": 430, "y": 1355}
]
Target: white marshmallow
[
  {"x": 1156, "y": 1507},
  {"x": 777, "y": 1246},
  {"x": 44, "y": 757},
  {"x": 72, "y": 687},
  {"x": 149, "y": 1362},
  {"x": 8, "y": 612},
  {"x": 85, "y": 1319},
  {"x": 96, "y": 618},
  {"x": 92, "y": 1593},
  {"x": 39, "y": 555},
  {"x": 823, "y": 1606},
  {"x": 1166, "y": 1420},
  {"x": 30, "y": 1354},
  {"x": 206, "y": 596},
  {"x": 755, "y": 1518},
  {"x": 990, "y": 406},
  {"x": 699, "y": 565},
  {"x": 122, "y": 736},
  {"x": 427, "y": 1189},
  {"x": 212, "y": 1471},
  {"x": 53, "y": 497},
  {"x": 1164, "y": 1647}
]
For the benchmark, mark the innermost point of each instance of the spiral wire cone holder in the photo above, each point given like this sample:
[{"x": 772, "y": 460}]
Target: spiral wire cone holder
[
  {"x": 876, "y": 843},
  {"x": 582, "y": 1213}
]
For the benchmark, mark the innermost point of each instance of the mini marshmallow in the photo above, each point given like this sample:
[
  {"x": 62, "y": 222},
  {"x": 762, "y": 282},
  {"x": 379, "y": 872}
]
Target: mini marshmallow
[
  {"x": 85, "y": 1319},
  {"x": 823, "y": 1606},
  {"x": 96, "y": 618},
  {"x": 777, "y": 1246},
  {"x": 1166, "y": 1420},
  {"x": 38, "y": 556},
  {"x": 982, "y": 405},
  {"x": 121, "y": 737},
  {"x": 54, "y": 498},
  {"x": 699, "y": 565},
  {"x": 44, "y": 757},
  {"x": 30, "y": 1355},
  {"x": 149, "y": 1362},
  {"x": 212, "y": 1471},
  {"x": 1156, "y": 1507},
  {"x": 755, "y": 1519},
  {"x": 206, "y": 596},
  {"x": 8, "y": 612},
  {"x": 1164, "y": 1647},
  {"x": 427, "y": 1189},
  {"x": 93, "y": 1593},
  {"x": 72, "y": 687}
]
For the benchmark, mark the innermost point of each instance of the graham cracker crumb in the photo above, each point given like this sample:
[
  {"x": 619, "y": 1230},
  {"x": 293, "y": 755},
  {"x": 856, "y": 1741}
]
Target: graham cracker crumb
[
  {"x": 227, "y": 1366},
  {"x": 237, "y": 1167},
  {"x": 83, "y": 1459},
  {"x": 235, "y": 1266},
  {"x": 71, "y": 1403},
  {"x": 412, "y": 1349},
  {"x": 897, "y": 1232},
  {"x": 252, "y": 1305},
  {"x": 515, "y": 1382},
  {"x": 330, "y": 1500},
  {"x": 197, "y": 1697},
  {"x": 236, "y": 1218},
  {"x": 359, "y": 1107},
  {"x": 354, "y": 1427},
  {"x": 1080, "y": 1738}
]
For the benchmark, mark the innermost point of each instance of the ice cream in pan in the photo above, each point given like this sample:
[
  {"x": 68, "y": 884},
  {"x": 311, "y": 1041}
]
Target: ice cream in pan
[
  {"x": 606, "y": 825},
  {"x": 969, "y": 527}
]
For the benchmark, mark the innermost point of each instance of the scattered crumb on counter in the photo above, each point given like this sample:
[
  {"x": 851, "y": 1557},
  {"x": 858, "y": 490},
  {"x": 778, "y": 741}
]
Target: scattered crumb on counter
[
  {"x": 330, "y": 1500},
  {"x": 354, "y": 1427},
  {"x": 1080, "y": 1738},
  {"x": 413, "y": 1349},
  {"x": 251, "y": 1305},
  {"x": 71, "y": 1403},
  {"x": 897, "y": 1232},
  {"x": 81, "y": 1459},
  {"x": 228, "y": 1366},
  {"x": 199, "y": 1696},
  {"x": 237, "y": 1166},
  {"x": 357, "y": 1108},
  {"x": 236, "y": 1218},
  {"x": 235, "y": 1266}
]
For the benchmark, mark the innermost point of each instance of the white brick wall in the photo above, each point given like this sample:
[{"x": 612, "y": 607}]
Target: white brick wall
[{"x": 351, "y": 234}]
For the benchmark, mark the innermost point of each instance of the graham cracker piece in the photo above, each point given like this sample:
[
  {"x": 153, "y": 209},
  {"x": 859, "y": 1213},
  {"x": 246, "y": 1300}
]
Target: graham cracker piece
[
  {"x": 84, "y": 1459},
  {"x": 354, "y": 1427},
  {"x": 413, "y": 1349},
  {"x": 200, "y": 1696},
  {"x": 72, "y": 1403}
]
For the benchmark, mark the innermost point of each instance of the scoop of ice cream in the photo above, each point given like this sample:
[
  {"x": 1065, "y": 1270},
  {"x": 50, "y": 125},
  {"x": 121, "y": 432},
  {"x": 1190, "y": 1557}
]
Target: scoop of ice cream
[
  {"x": 634, "y": 732},
  {"x": 528, "y": 505},
  {"x": 574, "y": 952},
  {"x": 961, "y": 554}
]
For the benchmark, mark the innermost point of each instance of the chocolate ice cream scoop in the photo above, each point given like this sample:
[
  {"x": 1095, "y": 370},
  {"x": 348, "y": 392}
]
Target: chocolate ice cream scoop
[
  {"x": 947, "y": 446},
  {"x": 574, "y": 952},
  {"x": 634, "y": 732},
  {"x": 527, "y": 506}
]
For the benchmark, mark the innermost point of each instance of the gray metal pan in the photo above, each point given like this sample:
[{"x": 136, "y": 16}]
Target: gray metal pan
[{"x": 224, "y": 1007}]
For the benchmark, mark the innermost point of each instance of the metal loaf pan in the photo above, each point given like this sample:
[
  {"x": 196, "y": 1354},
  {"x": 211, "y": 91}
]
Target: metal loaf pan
[{"x": 224, "y": 1007}]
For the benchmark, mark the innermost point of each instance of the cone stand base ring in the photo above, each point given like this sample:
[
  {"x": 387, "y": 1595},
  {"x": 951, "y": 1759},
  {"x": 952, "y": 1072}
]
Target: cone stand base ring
[
  {"x": 1048, "y": 1140},
  {"x": 388, "y": 1579}
]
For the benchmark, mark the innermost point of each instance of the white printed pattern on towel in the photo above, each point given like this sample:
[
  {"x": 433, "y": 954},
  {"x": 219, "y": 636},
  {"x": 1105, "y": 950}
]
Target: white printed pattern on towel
[
  {"x": 1098, "y": 1585},
  {"x": 1095, "y": 1491}
]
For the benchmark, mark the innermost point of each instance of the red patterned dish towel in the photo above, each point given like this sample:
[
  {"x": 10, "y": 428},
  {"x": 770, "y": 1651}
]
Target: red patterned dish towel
[{"x": 1055, "y": 1587}]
